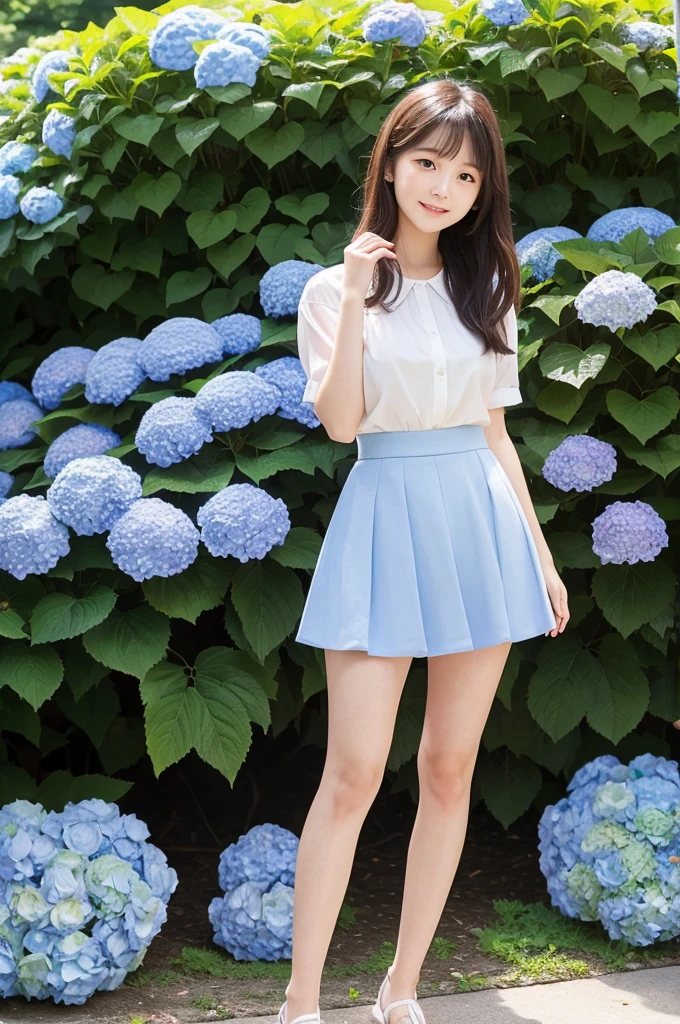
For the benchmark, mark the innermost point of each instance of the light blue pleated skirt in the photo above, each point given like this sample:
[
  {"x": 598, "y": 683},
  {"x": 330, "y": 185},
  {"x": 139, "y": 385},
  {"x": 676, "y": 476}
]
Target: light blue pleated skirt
[{"x": 428, "y": 552}]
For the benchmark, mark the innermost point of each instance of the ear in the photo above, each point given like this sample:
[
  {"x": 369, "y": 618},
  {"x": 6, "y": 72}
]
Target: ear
[{"x": 389, "y": 171}]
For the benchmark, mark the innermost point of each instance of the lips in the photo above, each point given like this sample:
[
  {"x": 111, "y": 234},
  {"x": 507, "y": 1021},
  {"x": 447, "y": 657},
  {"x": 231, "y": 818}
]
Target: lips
[{"x": 432, "y": 209}]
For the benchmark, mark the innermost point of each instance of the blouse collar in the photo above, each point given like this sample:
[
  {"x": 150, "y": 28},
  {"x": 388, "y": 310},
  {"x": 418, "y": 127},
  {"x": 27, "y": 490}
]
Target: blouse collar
[{"x": 437, "y": 282}]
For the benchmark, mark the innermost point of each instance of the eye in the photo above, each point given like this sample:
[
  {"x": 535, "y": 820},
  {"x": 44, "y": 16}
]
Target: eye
[{"x": 426, "y": 160}]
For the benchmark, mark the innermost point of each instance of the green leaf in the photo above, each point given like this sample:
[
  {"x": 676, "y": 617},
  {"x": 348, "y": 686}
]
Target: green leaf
[
  {"x": 300, "y": 550},
  {"x": 572, "y": 365},
  {"x": 94, "y": 715},
  {"x": 144, "y": 254},
  {"x": 620, "y": 696},
  {"x": 60, "y": 616},
  {"x": 81, "y": 672},
  {"x": 33, "y": 672},
  {"x": 130, "y": 641},
  {"x": 207, "y": 472},
  {"x": 303, "y": 208},
  {"x": 240, "y": 120},
  {"x": 630, "y": 595},
  {"x": 508, "y": 784},
  {"x": 13, "y": 459},
  {"x": 274, "y": 146},
  {"x": 192, "y": 132},
  {"x": 616, "y": 110},
  {"x": 60, "y": 787},
  {"x": 187, "y": 594},
  {"x": 12, "y": 625},
  {"x": 556, "y": 83},
  {"x": 16, "y": 715},
  {"x": 225, "y": 258},
  {"x": 138, "y": 128},
  {"x": 156, "y": 193},
  {"x": 663, "y": 457},
  {"x": 269, "y": 600},
  {"x": 645, "y": 418},
  {"x": 656, "y": 347},
  {"x": 124, "y": 744},
  {"x": 207, "y": 227},
  {"x": 185, "y": 284},
  {"x": 15, "y": 784},
  {"x": 559, "y": 689},
  {"x": 101, "y": 287}
]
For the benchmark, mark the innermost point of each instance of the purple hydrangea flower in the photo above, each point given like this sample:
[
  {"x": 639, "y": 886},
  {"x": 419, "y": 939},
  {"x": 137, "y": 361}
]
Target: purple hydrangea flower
[
  {"x": 16, "y": 157},
  {"x": 614, "y": 299},
  {"x": 629, "y": 531},
  {"x": 503, "y": 12},
  {"x": 580, "y": 463},
  {"x": 59, "y": 132},
  {"x": 616, "y": 224},
  {"x": 10, "y": 187},
  {"x": 153, "y": 538},
  {"x": 90, "y": 494},
  {"x": 170, "y": 42},
  {"x": 224, "y": 62},
  {"x": 58, "y": 372},
  {"x": 240, "y": 333},
  {"x": 6, "y": 481},
  {"x": 172, "y": 430},
  {"x": 41, "y": 204},
  {"x": 115, "y": 372},
  {"x": 244, "y": 521},
  {"x": 247, "y": 33},
  {"x": 9, "y": 390},
  {"x": 235, "y": 399},
  {"x": 16, "y": 417},
  {"x": 253, "y": 923},
  {"x": 536, "y": 249},
  {"x": 288, "y": 375},
  {"x": 179, "y": 344},
  {"x": 78, "y": 442},
  {"x": 281, "y": 286},
  {"x": 31, "y": 539},
  {"x": 401, "y": 21},
  {"x": 266, "y": 853},
  {"x": 55, "y": 60},
  {"x": 646, "y": 35}
]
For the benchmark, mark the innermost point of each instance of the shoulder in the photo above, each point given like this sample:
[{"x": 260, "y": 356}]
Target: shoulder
[{"x": 325, "y": 286}]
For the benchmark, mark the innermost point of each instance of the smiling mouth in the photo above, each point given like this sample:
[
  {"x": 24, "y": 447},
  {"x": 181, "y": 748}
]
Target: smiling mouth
[{"x": 433, "y": 209}]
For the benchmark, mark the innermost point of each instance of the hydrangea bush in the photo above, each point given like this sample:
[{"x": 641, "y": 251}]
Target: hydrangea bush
[
  {"x": 82, "y": 895},
  {"x": 610, "y": 851},
  {"x": 253, "y": 920},
  {"x": 168, "y": 184}
]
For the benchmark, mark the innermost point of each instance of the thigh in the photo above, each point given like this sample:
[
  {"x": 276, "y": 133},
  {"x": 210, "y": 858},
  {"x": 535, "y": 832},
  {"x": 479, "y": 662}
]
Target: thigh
[
  {"x": 363, "y": 699},
  {"x": 460, "y": 691}
]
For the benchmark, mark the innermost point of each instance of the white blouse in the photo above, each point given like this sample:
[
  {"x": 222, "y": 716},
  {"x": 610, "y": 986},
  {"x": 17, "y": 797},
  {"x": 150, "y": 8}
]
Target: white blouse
[{"x": 423, "y": 369}]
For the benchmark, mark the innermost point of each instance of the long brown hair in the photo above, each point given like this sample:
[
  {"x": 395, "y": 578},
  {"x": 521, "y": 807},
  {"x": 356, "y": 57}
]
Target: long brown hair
[{"x": 478, "y": 247}]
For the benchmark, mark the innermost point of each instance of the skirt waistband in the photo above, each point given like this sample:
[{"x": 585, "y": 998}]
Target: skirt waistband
[{"x": 381, "y": 444}]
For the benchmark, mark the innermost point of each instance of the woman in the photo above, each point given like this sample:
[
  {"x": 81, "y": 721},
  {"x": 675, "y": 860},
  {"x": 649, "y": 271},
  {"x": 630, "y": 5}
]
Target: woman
[{"x": 434, "y": 549}]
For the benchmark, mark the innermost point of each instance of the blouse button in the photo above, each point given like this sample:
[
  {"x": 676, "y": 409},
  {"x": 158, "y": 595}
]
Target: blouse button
[{"x": 440, "y": 372}]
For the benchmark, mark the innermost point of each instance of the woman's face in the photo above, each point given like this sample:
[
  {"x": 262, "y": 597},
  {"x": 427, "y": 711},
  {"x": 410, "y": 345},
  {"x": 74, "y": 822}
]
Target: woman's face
[{"x": 421, "y": 176}]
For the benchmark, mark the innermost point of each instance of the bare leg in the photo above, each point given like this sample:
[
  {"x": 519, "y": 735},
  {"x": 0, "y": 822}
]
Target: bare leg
[
  {"x": 460, "y": 691},
  {"x": 363, "y": 698}
]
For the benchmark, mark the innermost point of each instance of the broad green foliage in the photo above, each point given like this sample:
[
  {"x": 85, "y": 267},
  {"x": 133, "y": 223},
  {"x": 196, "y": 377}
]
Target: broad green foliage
[{"x": 176, "y": 201}]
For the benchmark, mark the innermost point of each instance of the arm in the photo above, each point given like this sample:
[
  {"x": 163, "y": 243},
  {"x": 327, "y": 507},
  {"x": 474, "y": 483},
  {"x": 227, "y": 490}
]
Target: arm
[{"x": 339, "y": 401}]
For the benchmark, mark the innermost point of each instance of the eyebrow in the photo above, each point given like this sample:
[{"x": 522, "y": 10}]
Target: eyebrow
[{"x": 423, "y": 149}]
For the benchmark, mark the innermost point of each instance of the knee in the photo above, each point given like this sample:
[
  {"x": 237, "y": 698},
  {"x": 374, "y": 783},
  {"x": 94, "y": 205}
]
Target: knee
[
  {"x": 352, "y": 786},
  {"x": 446, "y": 775}
]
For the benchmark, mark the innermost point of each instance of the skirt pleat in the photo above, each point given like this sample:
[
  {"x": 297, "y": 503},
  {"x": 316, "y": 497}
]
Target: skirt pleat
[{"x": 427, "y": 552}]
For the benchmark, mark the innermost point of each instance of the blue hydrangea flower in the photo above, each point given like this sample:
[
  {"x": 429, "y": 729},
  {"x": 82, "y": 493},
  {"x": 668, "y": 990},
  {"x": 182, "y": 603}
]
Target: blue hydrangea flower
[
  {"x": 90, "y": 494},
  {"x": 78, "y": 442},
  {"x": 16, "y": 417},
  {"x": 288, "y": 375},
  {"x": 59, "y": 132},
  {"x": 401, "y": 21},
  {"x": 503, "y": 12},
  {"x": 16, "y": 157},
  {"x": 10, "y": 390},
  {"x": 608, "y": 849},
  {"x": 41, "y": 204},
  {"x": 31, "y": 539},
  {"x": 76, "y": 915},
  {"x": 55, "y": 60},
  {"x": 266, "y": 853},
  {"x": 170, "y": 42},
  {"x": 224, "y": 62},
  {"x": 629, "y": 531},
  {"x": 235, "y": 399},
  {"x": 10, "y": 187},
  {"x": 536, "y": 249},
  {"x": 153, "y": 538},
  {"x": 646, "y": 35},
  {"x": 6, "y": 481},
  {"x": 616, "y": 224},
  {"x": 580, "y": 463},
  {"x": 114, "y": 372},
  {"x": 172, "y": 430},
  {"x": 247, "y": 33},
  {"x": 253, "y": 923},
  {"x": 58, "y": 372},
  {"x": 179, "y": 344},
  {"x": 244, "y": 521},
  {"x": 614, "y": 299},
  {"x": 240, "y": 333},
  {"x": 281, "y": 286}
]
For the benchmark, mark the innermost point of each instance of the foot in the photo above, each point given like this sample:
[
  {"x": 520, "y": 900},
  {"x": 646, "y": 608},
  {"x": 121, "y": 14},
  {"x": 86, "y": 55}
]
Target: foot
[
  {"x": 390, "y": 995},
  {"x": 294, "y": 1010}
]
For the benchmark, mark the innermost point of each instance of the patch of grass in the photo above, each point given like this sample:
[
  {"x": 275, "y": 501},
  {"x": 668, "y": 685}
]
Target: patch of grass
[
  {"x": 442, "y": 948},
  {"x": 532, "y": 936},
  {"x": 347, "y": 917},
  {"x": 201, "y": 960},
  {"x": 141, "y": 978},
  {"x": 473, "y": 981},
  {"x": 213, "y": 1006},
  {"x": 376, "y": 963},
  {"x": 353, "y": 993}
]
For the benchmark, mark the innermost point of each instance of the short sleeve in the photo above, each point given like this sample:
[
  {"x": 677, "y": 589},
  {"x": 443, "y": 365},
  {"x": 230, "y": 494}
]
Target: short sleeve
[
  {"x": 506, "y": 387},
  {"x": 316, "y": 327}
]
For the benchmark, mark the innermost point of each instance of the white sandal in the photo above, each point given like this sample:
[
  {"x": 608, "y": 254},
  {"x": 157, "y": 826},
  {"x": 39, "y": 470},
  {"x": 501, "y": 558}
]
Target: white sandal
[
  {"x": 383, "y": 1016},
  {"x": 306, "y": 1018}
]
